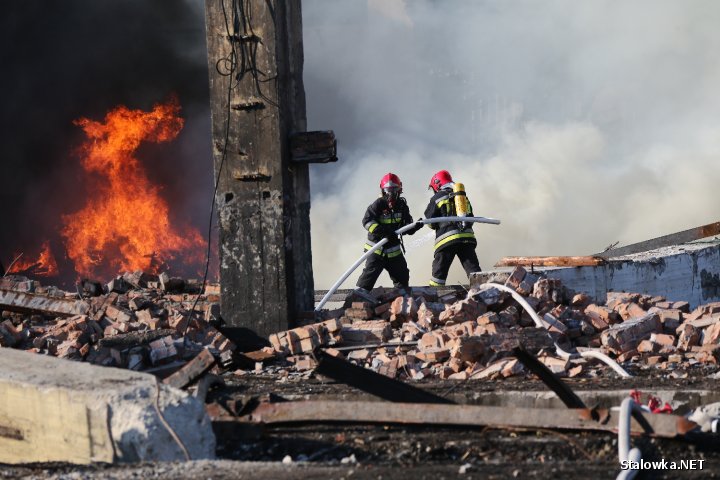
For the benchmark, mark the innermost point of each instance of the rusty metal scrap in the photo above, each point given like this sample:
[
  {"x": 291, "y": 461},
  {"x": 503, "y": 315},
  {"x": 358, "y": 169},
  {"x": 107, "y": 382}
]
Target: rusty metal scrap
[{"x": 659, "y": 425}]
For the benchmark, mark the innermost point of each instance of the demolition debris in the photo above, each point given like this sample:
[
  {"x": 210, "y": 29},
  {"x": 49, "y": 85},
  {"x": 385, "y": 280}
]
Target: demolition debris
[{"x": 143, "y": 322}]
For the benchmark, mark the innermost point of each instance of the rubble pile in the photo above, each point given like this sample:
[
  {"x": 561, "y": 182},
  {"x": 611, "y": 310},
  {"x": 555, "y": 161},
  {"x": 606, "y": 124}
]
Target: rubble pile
[
  {"x": 136, "y": 321},
  {"x": 426, "y": 336},
  {"x": 143, "y": 322}
]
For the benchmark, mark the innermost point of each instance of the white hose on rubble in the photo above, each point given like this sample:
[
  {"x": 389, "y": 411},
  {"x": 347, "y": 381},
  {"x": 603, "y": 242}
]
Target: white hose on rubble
[
  {"x": 536, "y": 318},
  {"x": 624, "y": 451},
  {"x": 399, "y": 231}
]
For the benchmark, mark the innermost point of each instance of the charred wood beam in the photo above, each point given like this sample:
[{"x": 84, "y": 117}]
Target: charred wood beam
[
  {"x": 373, "y": 383},
  {"x": 133, "y": 339},
  {"x": 553, "y": 382},
  {"x": 190, "y": 372},
  {"x": 24, "y": 302},
  {"x": 657, "y": 425},
  {"x": 376, "y": 345},
  {"x": 584, "y": 261},
  {"x": 665, "y": 241},
  {"x": 205, "y": 384}
]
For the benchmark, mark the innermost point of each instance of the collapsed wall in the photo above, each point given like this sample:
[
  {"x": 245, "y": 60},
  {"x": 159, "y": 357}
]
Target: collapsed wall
[{"x": 689, "y": 272}]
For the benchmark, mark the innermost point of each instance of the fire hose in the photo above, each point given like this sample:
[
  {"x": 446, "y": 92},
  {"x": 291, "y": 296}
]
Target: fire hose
[
  {"x": 625, "y": 453},
  {"x": 562, "y": 353},
  {"x": 399, "y": 231}
]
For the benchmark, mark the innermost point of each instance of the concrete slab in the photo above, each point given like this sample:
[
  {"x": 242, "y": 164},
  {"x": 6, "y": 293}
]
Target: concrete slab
[
  {"x": 54, "y": 410},
  {"x": 689, "y": 272}
]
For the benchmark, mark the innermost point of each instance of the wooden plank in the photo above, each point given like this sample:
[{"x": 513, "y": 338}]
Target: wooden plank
[
  {"x": 582, "y": 261},
  {"x": 661, "y": 425},
  {"x": 678, "y": 238},
  {"x": 372, "y": 382},
  {"x": 24, "y": 302},
  {"x": 190, "y": 372}
]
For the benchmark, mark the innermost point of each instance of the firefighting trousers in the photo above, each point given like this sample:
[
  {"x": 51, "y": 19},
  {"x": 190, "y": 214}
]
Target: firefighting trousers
[
  {"x": 396, "y": 267},
  {"x": 444, "y": 258}
]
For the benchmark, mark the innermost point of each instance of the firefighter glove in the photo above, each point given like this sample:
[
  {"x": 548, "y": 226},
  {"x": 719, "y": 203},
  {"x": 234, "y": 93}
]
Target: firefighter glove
[
  {"x": 387, "y": 231},
  {"x": 418, "y": 226}
]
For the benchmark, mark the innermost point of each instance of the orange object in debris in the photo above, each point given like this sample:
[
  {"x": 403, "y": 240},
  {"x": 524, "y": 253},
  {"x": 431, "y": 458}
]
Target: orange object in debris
[
  {"x": 43, "y": 266},
  {"x": 654, "y": 403},
  {"x": 125, "y": 224}
]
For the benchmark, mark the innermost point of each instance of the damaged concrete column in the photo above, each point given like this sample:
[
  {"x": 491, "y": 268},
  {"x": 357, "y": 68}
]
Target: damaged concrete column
[
  {"x": 255, "y": 61},
  {"x": 54, "y": 410}
]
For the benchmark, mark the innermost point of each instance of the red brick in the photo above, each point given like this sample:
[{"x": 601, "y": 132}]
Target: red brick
[
  {"x": 433, "y": 340},
  {"x": 646, "y": 346},
  {"x": 433, "y": 355},
  {"x": 625, "y": 336},
  {"x": 626, "y": 356},
  {"x": 488, "y": 318},
  {"x": 654, "y": 359},
  {"x": 304, "y": 362},
  {"x": 662, "y": 339},
  {"x": 462, "y": 311},
  {"x": 516, "y": 277},
  {"x": 600, "y": 317},
  {"x": 711, "y": 335},
  {"x": 467, "y": 349},
  {"x": 458, "y": 376},
  {"x": 630, "y": 310},
  {"x": 360, "y": 313},
  {"x": 688, "y": 336},
  {"x": 581, "y": 300}
]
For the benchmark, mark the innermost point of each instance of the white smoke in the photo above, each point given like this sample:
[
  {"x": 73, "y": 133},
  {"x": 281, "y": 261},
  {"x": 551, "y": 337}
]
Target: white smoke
[{"x": 577, "y": 124}]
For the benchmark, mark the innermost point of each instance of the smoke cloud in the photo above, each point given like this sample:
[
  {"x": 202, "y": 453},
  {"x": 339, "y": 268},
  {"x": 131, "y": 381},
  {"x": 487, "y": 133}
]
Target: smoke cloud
[{"x": 577, "y": 124}]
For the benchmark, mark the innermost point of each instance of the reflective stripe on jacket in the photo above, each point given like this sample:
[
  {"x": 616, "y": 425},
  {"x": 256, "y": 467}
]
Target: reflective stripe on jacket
[
  {"x": 380, "y": 214},
  {"x": 442, "y": 204}
]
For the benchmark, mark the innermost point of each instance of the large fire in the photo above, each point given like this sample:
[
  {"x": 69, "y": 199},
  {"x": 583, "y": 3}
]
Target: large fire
[
  {"x": 44, "y": 265},
  {"x": 125, "y": 224}
]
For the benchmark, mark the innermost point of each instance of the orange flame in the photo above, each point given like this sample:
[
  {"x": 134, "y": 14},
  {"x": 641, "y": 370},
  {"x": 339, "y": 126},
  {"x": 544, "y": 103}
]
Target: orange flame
[
  {"x": 125, "y": 224},
  {"x": 44, "y": 266}
]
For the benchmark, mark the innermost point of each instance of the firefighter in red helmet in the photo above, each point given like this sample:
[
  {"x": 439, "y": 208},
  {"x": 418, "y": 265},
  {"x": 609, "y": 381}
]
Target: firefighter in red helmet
[
  {"x": 451, "y": 238},
  {"x": 383, "y": 217}
]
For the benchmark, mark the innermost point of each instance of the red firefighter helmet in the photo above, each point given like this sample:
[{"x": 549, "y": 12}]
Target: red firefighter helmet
[
  {"x": 439, "y": 179},
  {"x": 391, "y": 186}
]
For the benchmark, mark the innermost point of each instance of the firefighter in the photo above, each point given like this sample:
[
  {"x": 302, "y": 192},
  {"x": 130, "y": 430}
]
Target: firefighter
[
  {"x": 382, "y": 218},
  {"x": 451, "y": 238}
]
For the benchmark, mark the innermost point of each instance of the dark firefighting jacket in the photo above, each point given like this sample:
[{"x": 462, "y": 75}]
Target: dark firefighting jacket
[
  {"x": 380, "y": 221},
  {"x": 442, "y": 204}
]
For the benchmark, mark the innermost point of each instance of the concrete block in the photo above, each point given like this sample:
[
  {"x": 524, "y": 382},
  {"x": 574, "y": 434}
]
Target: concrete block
[{"x": 57, "y": 410}]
